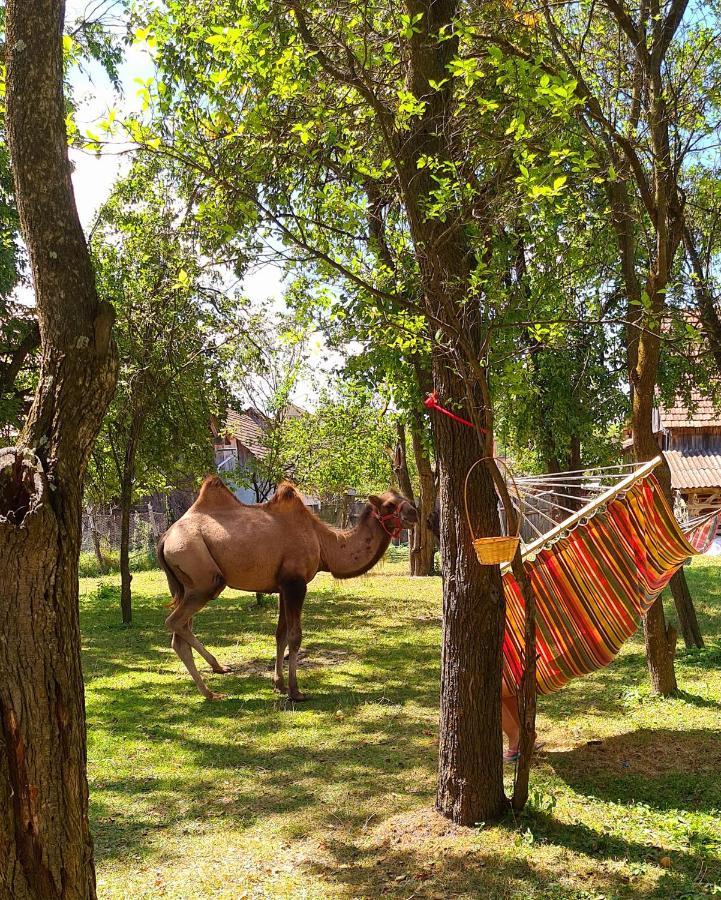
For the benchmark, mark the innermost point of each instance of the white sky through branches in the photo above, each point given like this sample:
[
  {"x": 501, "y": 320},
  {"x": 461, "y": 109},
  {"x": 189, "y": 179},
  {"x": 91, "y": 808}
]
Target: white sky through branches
[{"x": 94, "y": 175}]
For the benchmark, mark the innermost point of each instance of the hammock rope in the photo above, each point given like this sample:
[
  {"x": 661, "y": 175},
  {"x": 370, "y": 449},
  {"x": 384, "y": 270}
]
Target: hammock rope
[
  {"x": 591, "y": 490},
  {"x": 598, "y": 569}
]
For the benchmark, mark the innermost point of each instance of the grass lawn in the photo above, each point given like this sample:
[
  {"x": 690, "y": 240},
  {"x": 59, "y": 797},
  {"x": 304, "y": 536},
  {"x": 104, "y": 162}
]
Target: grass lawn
[{"x": 252, "y": 797}]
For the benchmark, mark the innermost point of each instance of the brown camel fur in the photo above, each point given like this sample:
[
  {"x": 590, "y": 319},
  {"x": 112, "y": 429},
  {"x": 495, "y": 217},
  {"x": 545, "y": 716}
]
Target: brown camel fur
[{"x": 275, "y": 546}]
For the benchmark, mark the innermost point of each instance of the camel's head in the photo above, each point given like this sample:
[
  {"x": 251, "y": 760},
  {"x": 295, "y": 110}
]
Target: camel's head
[{"x": 393, "y": 511}]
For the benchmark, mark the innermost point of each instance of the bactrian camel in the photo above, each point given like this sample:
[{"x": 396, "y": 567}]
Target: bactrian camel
[{"x": 277, "y": 546}]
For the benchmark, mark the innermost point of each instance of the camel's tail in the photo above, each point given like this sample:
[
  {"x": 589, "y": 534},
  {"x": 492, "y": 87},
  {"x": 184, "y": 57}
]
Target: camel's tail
[{"x": 176, "y": 587}]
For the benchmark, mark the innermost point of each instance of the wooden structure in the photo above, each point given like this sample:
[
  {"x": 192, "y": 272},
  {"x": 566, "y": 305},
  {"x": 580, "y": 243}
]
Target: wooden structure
[
  {"x": 690, "y": 436},
  {"x": 239, "y": 443},
  {"x": 239, "y": 439}
]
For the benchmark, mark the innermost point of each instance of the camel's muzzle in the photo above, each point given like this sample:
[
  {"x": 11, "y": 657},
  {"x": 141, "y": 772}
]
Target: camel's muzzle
[{"x": 408, "y": 514}]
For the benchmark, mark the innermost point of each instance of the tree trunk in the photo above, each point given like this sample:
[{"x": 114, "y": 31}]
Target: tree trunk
[
  {"x": 643, "y": 347},
  {"x": 44, "y": 831},
  {"x": 660, "y": 641},
  {"x": 470, "y": 769},
  {"x": 345, "y": 510},
  {"x": 425, "y": 542},
  {"x": 127, "y": 483},
  {"x": 45, "y": 838},
  {"x": 688, "y": 621},
  {"x": 660, "y": 650},
  {"x": 706, "y": 302},
  {"x": 126, "y": 604},
  {"x": 97, "y": 548},
  {"x": 400, "y": 470}
]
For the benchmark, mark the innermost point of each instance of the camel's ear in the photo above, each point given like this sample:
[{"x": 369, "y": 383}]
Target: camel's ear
[{"x": 375, "y": 501}]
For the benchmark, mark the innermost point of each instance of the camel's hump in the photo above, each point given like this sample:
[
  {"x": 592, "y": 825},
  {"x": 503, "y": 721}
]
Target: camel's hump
[
  {"x": 214, "y": 489},
  {"x": 287, "y": 493}
]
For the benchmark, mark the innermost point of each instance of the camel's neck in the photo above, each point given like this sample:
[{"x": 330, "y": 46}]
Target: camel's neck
[{"x": 346, "y": 554}]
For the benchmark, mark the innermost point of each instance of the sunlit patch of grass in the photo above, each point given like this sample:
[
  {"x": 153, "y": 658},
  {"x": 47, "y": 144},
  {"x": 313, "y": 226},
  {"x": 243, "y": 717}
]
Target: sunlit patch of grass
[{"x": 256, "y": 797}]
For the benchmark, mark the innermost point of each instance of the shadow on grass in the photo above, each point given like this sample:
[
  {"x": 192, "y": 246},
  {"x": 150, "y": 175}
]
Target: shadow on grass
[
  {"x": 272, "y": 767},
  {"x": 243, "y": 774},
  {"x": 408, "y": 862},
  {"x": 249, "y": 758},
  {"x": 412, "y": 660},
  {"x": 662, "y": 768}
]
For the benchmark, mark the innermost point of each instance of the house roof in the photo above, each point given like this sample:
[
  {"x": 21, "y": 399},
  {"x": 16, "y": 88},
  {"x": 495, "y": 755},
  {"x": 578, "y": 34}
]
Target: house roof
[
  {"x": 293, "y": 411},
  {"x": 694, "y": 470},
  {"x": 700, "y": 414},
  {"x": 248, "y": 428}
]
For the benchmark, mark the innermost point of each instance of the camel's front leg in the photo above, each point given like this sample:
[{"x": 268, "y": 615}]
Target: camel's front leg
[
  {"x": 281, "y": 642},
  {"x": 294, "y": 593}
]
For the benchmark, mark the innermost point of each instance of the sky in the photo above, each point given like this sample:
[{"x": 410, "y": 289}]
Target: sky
[{"x": 94, "y": 176}]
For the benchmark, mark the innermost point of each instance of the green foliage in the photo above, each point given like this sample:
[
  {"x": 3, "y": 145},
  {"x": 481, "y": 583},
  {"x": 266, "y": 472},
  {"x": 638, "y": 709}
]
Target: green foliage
[
  {"x": 171, "y": 326},
  {"x": 319, "y": 184},
  {"x": 140, "y": 561},
  {"x": 95, "y": 36},
  {"x": 19, "y": 340},
  {"x": 266, "y": 365},
  {"x": 343, "y": 445},
  {"x": 274, "y": 154}
]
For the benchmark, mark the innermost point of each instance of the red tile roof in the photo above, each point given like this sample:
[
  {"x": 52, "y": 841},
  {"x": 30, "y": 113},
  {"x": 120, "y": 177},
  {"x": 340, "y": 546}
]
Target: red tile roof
[
  {"x": 694, "y": 470},
  {"x": 248, "y": 428},
  {"x": 701, "y": 414}
]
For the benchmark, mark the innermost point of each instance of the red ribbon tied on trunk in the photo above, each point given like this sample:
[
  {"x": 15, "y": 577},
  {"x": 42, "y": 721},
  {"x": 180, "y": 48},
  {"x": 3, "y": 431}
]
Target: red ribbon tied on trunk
[{"x": 431, "y": 402}]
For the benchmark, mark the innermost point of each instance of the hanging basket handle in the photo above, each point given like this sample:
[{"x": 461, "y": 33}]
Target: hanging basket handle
[{"x": 519, "y": 517}]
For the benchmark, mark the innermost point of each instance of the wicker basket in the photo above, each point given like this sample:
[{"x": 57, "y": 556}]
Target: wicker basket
[{"x": 494, "y": 550}]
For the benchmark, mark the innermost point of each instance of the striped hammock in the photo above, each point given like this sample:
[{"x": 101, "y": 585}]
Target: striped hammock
[{"x": 594, "y": 585}]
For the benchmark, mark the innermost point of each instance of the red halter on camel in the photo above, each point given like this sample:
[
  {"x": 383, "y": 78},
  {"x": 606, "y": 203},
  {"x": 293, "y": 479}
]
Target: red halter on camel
[{"x": 395, "y": 516}]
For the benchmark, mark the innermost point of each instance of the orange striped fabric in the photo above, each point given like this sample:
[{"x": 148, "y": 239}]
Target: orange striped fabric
[{"x": 594, "y": 585}]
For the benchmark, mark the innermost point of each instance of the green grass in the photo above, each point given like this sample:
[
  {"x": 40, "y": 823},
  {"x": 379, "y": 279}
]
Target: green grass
[
  {"x": 140, "y": 561},
  {"x": 252, "y": 797}
]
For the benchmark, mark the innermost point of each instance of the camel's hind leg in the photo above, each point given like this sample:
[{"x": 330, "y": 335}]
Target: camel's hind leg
[
  {"x": 198, "y": 645},
  {"x": 183, "y": 640},
  {"x": 185, "y": 652}
]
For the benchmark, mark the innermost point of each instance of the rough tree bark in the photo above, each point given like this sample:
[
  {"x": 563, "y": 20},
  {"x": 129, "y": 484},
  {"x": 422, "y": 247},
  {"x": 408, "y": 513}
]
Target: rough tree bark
[
  {"x": 686, "y": 611},
  {"x": 44, "y": 832},
  {"x": 470, "y": 772},
  {"x": 660, "y": 640},
  {"x": 654, "y": 176},
  {"x": 643, "y": 349},
  {"x": 425, "y": 545},
  {"x": 403, "y": 477}
]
